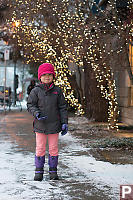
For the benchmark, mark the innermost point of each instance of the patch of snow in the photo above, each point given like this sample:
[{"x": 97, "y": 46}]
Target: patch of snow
[
  {"x": 101, "y": 174},
  {"x": 77, "y": 168},
  {"x": 78, "y": 120}
]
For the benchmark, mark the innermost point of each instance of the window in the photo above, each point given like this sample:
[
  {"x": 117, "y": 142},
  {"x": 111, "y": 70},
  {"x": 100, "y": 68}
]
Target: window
[
  {"x": 131, "y": 55},
  {"x": 130, "y": 97}
]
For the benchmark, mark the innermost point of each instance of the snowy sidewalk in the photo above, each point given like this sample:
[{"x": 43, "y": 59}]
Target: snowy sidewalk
[{"x": 81, "y": 175}]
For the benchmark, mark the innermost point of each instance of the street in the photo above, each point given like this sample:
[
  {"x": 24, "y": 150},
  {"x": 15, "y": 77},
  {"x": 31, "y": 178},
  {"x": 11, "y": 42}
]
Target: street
[{"x": 81, "y": 175}]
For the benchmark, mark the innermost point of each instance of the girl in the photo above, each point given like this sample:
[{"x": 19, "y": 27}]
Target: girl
[{"x": 47, "y": 104}]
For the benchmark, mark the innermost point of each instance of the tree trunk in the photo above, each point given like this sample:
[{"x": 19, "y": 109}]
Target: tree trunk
[{"x": 96, "y": 105}]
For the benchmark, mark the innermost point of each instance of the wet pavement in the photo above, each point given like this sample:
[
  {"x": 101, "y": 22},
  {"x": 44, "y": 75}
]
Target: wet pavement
[{"x": 85, "y": 173}]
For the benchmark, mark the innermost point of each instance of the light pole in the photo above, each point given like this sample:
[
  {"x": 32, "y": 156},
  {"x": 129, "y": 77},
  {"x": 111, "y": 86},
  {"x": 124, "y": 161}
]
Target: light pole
[
  {"x": 15, "y": 25},
  {"x": 6, "y": 57},
  {"x": 22, "y": 55},
  {"x": 14, "y": 83}
]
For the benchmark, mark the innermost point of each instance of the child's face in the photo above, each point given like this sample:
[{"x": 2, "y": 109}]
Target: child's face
[{"x": 47, "y": 78}]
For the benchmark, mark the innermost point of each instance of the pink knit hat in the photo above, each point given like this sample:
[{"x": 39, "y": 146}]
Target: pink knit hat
[{"x": 45, "y": 68}]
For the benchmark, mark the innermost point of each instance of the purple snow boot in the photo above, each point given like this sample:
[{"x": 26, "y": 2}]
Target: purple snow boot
[
  {"x": 39, "y": 163},
  {"x": 53, "y": 162}
]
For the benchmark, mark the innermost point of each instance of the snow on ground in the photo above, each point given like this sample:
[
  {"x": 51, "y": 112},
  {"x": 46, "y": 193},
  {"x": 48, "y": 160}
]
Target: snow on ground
[
  {"x": 81, "y": 175},
  {"x": 101, "y": 174},
  {"x": 20, "y": 105},
  {"x": 76, "y": 169}
]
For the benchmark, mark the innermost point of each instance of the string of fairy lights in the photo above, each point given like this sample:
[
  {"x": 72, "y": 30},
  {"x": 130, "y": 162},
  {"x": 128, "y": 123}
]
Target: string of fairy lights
[
  {"x": 69, "y": 37},
  {"x": 44, "y": 49},
  {"x": 104, "y": 75},
  {"x": 112, "y": 97},
  {"x": 108, "y": 75}
]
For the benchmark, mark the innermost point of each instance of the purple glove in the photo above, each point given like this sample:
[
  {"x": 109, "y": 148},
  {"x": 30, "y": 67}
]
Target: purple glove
[
  {"x": 39, "y": 116},
  {"x": 64, "y": 129}
]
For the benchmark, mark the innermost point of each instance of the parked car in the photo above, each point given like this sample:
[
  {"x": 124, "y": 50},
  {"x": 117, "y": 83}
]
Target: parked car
[{"x": 7, "y": 95}]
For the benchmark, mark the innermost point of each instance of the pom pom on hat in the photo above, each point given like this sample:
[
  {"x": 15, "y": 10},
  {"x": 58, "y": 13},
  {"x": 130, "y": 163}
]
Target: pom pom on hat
[{"x": 45, "y": 68}]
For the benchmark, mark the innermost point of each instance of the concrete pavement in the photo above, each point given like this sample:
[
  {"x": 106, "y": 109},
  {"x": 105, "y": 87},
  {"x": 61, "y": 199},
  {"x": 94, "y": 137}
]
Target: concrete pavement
[{"x": 81, "y": 175}]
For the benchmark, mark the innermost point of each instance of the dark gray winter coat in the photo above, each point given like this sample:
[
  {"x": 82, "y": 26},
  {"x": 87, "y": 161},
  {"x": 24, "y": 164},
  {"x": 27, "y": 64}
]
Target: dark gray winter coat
[{"x": 50, "y": 103}]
